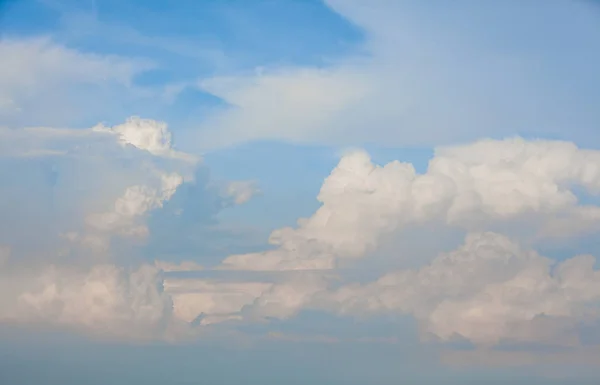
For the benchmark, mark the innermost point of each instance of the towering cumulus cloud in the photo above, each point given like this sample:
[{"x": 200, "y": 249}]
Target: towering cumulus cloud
[
  {"x": 469, "y": 186},
  {"x": 491, "y": 289},
  {"x": 505, "y": 196},
  {"x": 105, "y": 182}
]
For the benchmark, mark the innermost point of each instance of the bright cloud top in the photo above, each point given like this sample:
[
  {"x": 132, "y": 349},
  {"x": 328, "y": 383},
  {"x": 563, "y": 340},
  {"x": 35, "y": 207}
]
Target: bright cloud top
[
  {"x": 469, "y": 187},
  {"x": 145, "y": 134}
]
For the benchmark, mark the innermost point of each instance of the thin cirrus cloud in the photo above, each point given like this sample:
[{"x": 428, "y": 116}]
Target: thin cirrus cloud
[
  {"x": 45, "y": 83},
  {"x": 424, "y": 77}
]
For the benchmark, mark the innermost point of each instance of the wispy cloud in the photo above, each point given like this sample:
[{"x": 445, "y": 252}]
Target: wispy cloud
[{"x": 427, "y": 78}]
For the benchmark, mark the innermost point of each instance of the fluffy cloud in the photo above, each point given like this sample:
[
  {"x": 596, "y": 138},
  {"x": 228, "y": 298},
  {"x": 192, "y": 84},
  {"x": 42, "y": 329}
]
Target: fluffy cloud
[
  {"x": 146, "y": 134},
  {"x": 103, "y": 299},
  {"x": 122, "y": 174},
  {"x": 488, "y": 291},
  {"x": 100, "y": 298},
  {"x": 471, "y": 187},
  {"x": 492, "y": 289},
  {"x": 104, "y": 183},
  {"x": 137, "y": 201}
]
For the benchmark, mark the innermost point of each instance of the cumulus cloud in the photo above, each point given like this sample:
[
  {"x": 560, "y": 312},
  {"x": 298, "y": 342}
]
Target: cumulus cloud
[
  {"x": 105, "y": 184},
  {"x": 100, "y": 298},
  {"x": 488, "y": 291},
  {"x": 146, "y": 134},
  {"x": 122, "y": 174},
  {"x": 103, "y": 300},
  {"x": 470, "y": 186},
  {"x": 135, "y": 202}
]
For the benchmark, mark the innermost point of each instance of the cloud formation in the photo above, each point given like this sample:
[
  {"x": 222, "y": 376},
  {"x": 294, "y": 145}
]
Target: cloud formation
[
  {"x": 471, "y": 187},
  {"x": 493, "y": 289},
  {"x": 111, "y": 226},
  {"x": 145, "y": 134},
  {"x": 488, "y": 291},
  {"x": 82, "y": 277},
  {"x": 104, "y": 300},
  {"x": 425, "y": 78},
  {"x": 45, "y": 83}
]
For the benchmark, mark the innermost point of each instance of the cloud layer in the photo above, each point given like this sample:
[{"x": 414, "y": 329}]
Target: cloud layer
[
  {"x": 493, "y": 289},
  {"x": 109, "y": 229}
]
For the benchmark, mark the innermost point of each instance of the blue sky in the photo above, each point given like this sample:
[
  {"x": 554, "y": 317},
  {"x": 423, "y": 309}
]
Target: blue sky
[{"x": 267, "y": 191}]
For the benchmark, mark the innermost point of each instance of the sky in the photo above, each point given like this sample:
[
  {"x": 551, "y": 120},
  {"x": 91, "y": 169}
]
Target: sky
[{"x": 284, "y": 191}]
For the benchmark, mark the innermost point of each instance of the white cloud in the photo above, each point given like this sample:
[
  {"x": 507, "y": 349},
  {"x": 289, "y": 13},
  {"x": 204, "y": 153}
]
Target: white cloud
[
  {"x": 136, "y": 201},
  {"x": 40, "y": 141},
  {"x": 109, "y": 181},
  {"x": 114, "y": 194},
  {"x": 44, "y": 82},
  {"x": 31, "y": 62},
  {"x": 471, "y": 187},
  {"x": 425, "y": 78},
  {"x": 145, "y": 134},
  {"x": 295, "y": 104},
  {"x": 103, "y": 299},
  {"x": 417, "y": 82},
  {"x": 490, "y": 290}
]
